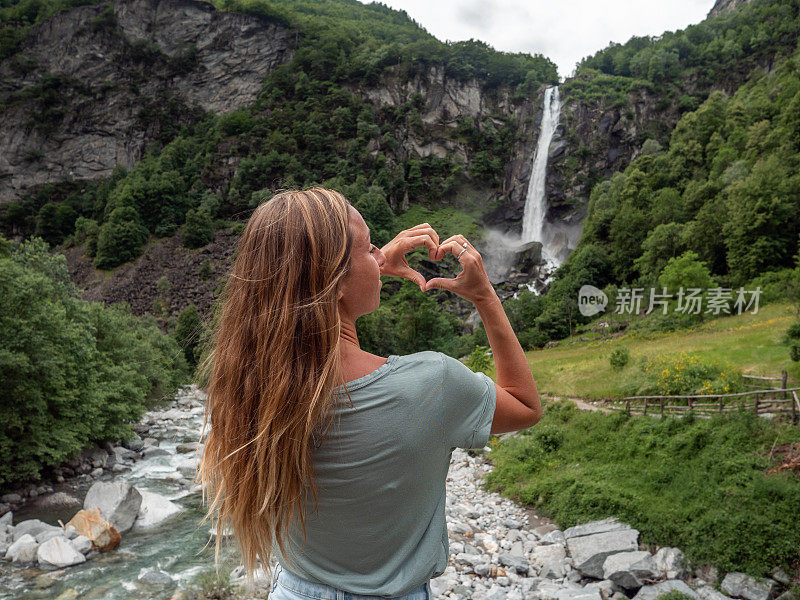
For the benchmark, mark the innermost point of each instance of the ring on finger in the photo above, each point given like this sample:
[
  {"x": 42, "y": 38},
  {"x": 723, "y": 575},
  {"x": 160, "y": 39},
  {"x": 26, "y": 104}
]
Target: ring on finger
[{"x": 462, "y": 252}]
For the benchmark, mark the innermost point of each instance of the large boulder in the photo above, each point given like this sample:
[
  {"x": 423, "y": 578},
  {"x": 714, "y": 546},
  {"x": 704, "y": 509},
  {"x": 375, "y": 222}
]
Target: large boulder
[
  {"x": 32, "y": 527},
  {"x": 155, "y": 509},
  {"x": 651, "y": 592},
  {"x": 601, "y": 526},
  {"x": 23, "y": 550},
  {"x": 90, "y": 523},
  {"x": 543, "y": 554},
  {"x": 629, "y": 569},
  {"x": 118, "y": 502},
  {"x": 740, "y": 585},
  {"x": 58, "y": 552},
  {"x": 589, "y": 552}
]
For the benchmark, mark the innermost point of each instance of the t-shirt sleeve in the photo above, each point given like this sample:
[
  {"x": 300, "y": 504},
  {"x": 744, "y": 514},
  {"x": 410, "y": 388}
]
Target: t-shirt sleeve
[{"x": 468, "y": 401}]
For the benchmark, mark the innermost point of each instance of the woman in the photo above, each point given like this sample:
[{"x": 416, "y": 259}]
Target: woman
[{"x": 330, "y": 457}]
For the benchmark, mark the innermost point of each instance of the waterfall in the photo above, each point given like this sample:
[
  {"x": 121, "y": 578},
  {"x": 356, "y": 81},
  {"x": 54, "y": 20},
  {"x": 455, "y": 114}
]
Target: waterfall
[{"x": 535, "y": 201}]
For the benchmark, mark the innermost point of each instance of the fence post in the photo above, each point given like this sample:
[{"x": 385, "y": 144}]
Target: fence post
[
  {"x": 721, "y": 404},
  {"x": 784, "y": 376},
  {"x": 794, "y": 408},
  {"x": 628, "y": 406},
  {"x": 690, "y": 401},
  {"x": 662, "y": 408},
  {"x": 645, "y": 407},
  {"x": 755, "y": 404}
]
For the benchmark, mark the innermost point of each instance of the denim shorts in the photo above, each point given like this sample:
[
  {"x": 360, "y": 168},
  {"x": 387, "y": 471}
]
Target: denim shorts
[{"x": 289, "y": 586}]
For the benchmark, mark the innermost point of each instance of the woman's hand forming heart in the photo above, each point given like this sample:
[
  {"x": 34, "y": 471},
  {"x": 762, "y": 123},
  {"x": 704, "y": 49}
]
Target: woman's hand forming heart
[{"x": 396, "y": 265}]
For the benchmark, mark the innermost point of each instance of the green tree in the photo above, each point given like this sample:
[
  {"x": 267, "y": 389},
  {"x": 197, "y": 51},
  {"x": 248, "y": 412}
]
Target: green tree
[
  {"x": 198, "y": 229},
  {"x": 685, "y": 271},
  {"x": 120, "y": 239}
]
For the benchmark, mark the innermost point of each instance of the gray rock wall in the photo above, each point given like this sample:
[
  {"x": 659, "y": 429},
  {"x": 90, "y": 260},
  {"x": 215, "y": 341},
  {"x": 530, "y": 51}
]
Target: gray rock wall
[{"x": 114, "y": 80}]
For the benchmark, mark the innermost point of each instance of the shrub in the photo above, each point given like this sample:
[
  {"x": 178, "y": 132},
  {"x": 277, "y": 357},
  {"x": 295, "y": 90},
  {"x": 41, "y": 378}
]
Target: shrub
[
  {"x": 479, "y": 360},
  {"x": 120, "y": 239},
  {"x": 199, "y": 228},
  {"x": 688, "y": 374},
  {"x": 205, "y": 272},
  {"x": 163, "y": 284},
  {"x": 619, "y": 358}
]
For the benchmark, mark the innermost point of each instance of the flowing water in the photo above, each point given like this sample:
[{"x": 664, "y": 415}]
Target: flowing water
[{"x": 176, "y": 547}]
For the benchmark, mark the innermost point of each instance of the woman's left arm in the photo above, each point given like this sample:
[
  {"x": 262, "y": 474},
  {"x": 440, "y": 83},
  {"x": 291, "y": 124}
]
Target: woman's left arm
[{"x": 396, "y": 265}]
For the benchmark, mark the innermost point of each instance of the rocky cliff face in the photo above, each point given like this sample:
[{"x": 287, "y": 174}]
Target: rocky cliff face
[
  {"x": 448, "y": 101},
  {"x": 92, "y": 87},
  {"x": 723, "y": 6}
]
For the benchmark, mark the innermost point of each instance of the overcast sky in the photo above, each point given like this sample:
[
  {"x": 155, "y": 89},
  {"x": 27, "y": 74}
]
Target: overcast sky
[{"x": 563, "y": 31}]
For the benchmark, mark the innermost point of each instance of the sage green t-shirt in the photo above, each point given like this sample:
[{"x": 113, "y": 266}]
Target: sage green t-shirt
[{"x": 380, "y": 475}]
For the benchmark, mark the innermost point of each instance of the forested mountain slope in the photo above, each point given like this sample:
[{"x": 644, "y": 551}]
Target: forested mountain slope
[{"x": 136, "y": 132}]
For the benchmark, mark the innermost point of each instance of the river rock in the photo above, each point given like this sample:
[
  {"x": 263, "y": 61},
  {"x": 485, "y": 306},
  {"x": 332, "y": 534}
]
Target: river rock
[
  {"x": 555, "y": 568},
  {"x": 135, "y": 444},
  {"x": 23, "y": 550},
  {"x": 123, "y": 454},
  {"x": 578, "y": 594},
  {"x": 10, "y": 498},
  {"x": 118, "y": 502},
  {"x": 651, "y": 592},
  {"x": 29, "y": 526},
  {"x": 6, "y": 521},
  {"x": 187, "y": 447},
  {"x": 589, "y": 552},
  {"x": 57, "y": 501},
  {"x": 627, "y": 569},
  {"x": 592, "y": 527},
  {"x": 155, "y": 509},
  {"x": 82, "y": 544},
  {"x": 154, "y": 576},
  {"x": 555, "y": 536},
  {"x": 58, "y": 552},
  {"x": 542, "y": 554},
  {"x": 90, "y": 523},
  {"x": 741, "y": 585},
  {"x": 151, "y": 451},
  {"x": 48, "y": 534},
  {"x": 188, "y": 466},
  {"x": 707, "y": 592},
  {"x": 670, "y": 562},
  {"x": 519, "y": 564}
]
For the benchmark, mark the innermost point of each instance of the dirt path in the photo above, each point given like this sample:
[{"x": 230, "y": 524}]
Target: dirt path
[{"x": 581, "y": 403}]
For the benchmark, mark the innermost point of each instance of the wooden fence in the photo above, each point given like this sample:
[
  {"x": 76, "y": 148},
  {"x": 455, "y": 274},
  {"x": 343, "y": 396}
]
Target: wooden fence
[{"x": 780, "y": 401}]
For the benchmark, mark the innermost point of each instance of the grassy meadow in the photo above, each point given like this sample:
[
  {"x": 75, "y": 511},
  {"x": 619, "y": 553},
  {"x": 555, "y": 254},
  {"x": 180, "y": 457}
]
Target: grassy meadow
[{"x": 750, "y": 342}]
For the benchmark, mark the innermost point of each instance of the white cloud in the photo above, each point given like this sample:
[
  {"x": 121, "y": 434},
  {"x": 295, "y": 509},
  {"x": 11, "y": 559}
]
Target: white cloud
[{"x": 563, "y": 31}]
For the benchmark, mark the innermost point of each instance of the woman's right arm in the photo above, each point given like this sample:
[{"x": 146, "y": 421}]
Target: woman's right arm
[{"x": 518, "y": 405}]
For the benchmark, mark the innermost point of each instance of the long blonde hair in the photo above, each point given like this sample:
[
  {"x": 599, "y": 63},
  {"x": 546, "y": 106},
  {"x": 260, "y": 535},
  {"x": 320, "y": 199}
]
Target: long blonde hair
[{"x": 273, "y": 368}]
